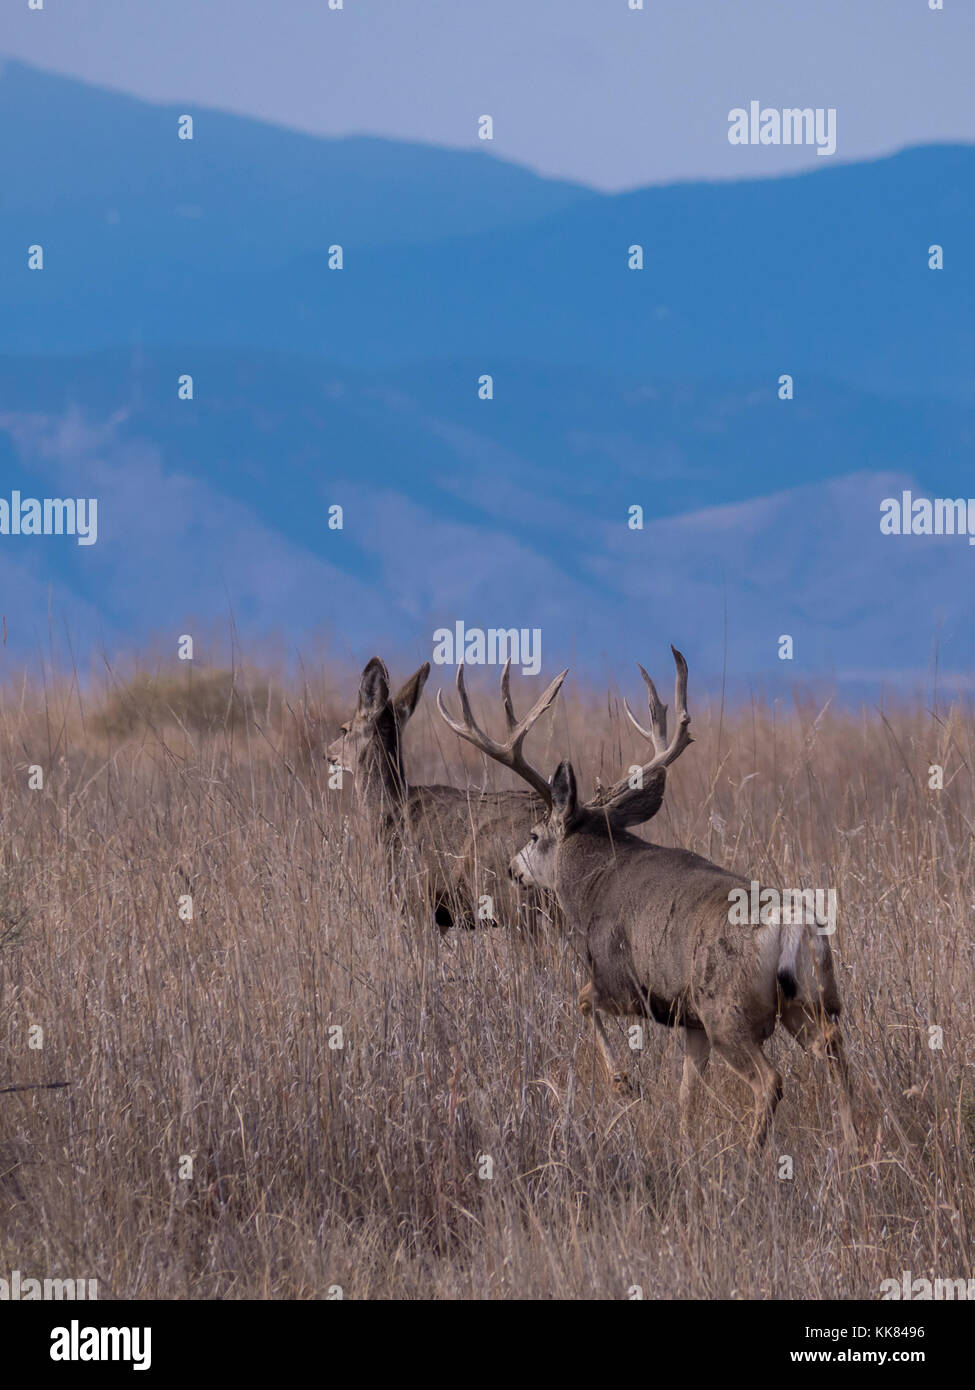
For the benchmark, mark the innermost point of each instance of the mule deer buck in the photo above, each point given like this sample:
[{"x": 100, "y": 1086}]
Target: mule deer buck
[
  {"x": 657, "y": 925},
  {"x": 461, "y": 839}
]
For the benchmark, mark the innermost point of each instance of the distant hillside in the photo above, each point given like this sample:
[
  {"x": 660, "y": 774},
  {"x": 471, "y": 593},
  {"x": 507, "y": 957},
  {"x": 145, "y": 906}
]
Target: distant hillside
[
  {"x": 101, "y": 175},
  {"x": 265, "y": 427},
  {"x": 505, "y": 515}
]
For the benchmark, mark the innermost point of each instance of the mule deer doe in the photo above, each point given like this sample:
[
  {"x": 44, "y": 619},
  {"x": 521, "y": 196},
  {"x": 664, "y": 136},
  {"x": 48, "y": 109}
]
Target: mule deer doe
[
  {"x": 462, "y": 839},
  {"x": 657, "y": 928}
]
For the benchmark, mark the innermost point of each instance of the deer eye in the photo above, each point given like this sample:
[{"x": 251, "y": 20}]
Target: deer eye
[{"x": 533, "y": 837}]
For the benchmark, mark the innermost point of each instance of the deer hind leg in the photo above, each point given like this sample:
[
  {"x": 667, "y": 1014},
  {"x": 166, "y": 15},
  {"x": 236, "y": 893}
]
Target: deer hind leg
[
  {"x": 697, "y": 1050},
  {"x": 617, "y": 1079},
  {"x": 747, "y": 1059},
  {"x": 816, "y": 1031}
]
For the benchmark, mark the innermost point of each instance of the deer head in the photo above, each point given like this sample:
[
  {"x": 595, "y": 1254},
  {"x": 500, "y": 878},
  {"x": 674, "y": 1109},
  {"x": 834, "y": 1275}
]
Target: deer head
[
  {"x": 369, "y": 743},
  {"x": 631, "y": 801}
]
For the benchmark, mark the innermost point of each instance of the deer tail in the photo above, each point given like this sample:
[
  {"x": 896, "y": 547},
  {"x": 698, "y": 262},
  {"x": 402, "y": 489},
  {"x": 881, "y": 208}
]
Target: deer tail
[{"x": 788, "y": 954}]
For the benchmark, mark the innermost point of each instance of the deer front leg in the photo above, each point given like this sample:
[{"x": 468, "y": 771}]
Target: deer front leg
[{"x": 617, "y": 1078}]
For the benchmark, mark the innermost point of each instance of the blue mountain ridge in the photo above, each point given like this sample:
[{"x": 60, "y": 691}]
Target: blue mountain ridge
[
  {"x": 612, "y": 387},
  {"x": 222, "y": 241}
]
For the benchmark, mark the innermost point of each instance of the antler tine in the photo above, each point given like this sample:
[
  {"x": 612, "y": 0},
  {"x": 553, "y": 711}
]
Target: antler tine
[
  {"x": 465, "y": 704},
  {"x": 656, "y": 735},
  {"x": 680, "y": 691},
  {"x": 469, "y": 728},
  {"x": 645, "y": 733},
  {"x": 538, "y": 709},
  {"x": 509, "y": 710},
  {"x": 658, "y": 710},
  {"x": 681, "y": 737}
]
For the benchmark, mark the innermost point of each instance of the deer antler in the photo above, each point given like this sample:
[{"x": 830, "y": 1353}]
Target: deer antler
[
  {"x": 509, "y": 753},
  {"x": 664, "y": 753},
  {"x": 630, "y": 804}
]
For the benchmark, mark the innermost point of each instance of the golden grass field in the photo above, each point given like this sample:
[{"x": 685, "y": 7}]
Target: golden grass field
[{"x": 316, "y": 1167}]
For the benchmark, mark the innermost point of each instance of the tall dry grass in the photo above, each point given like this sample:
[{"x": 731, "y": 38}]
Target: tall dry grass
[{"x": 316, "y": 1166}]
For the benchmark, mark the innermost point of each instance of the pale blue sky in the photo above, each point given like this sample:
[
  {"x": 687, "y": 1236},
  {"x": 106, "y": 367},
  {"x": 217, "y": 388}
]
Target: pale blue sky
[{"x": 582, "y": 89}]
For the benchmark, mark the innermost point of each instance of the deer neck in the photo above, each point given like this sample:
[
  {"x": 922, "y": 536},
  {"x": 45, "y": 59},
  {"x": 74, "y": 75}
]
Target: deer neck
[
  {"x": 588, "y": 864},
  {"x": 379, "y": 777}
]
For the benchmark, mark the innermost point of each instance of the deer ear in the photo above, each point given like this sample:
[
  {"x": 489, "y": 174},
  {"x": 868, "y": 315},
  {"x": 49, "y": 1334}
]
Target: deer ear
[
  {"x": 565, "y": 796},
  {"x": 373, "y": 687},
  {"x": 409, "y": 697},
  {"x": 637, "y": 805}
]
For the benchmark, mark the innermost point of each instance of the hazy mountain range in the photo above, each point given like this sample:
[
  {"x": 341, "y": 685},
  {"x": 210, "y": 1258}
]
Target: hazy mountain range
[{"x": 358, "y": 387}]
